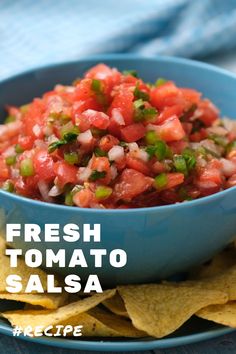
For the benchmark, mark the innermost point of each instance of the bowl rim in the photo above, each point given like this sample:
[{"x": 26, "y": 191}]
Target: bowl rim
[{"x": 122, "y": 57}]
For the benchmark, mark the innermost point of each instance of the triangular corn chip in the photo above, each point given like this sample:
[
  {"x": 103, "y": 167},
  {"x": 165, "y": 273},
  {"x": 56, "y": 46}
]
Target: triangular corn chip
[
  {"x": 223, "y": 314},
  {"x": 161, "y": 309},
  {"x": 46, "y": 318}
]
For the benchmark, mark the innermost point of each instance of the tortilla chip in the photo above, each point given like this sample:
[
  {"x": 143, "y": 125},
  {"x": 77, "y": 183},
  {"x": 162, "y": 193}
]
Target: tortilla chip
[
  {"x": 22, "y": 270},
  {"x": 222, "y": 314},
  {"x": 48, "y": 301},
  {"x": 46, "y": 318},
  {"x": 100, "y": 323},
  {"x": 161, "y": 309},
  {"x": 218, "y": 264},
  {"x": 116, "y": 305},
  {"x": 225, "y": 281},
  {"x": 2, "y": 244}
]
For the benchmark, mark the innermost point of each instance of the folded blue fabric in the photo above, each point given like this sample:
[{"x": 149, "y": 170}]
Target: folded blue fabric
[{"x": 34, "y": 33}]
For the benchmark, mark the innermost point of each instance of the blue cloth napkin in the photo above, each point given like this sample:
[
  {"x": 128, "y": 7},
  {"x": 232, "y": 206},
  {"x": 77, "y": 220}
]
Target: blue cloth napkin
[{"x": 34, "y": 33}]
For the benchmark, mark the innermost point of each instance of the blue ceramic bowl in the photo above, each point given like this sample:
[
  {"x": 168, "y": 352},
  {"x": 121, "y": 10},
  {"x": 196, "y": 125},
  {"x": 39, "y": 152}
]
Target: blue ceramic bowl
[{"x": 159, "y": 241}]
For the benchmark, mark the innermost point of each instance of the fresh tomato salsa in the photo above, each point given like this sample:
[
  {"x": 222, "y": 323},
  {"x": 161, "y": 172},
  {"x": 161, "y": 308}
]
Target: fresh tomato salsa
[{"x": 111, "y": 140}]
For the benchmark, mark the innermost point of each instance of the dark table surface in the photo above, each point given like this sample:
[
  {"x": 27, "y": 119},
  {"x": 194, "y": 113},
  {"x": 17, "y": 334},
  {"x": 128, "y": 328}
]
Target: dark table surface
[{"x": 222, "y": 345}]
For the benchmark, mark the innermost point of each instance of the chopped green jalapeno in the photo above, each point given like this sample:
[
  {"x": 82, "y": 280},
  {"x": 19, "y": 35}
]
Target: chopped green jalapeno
[
  {"x": 130, "y": 72},
  {"x": 103, "y": 192},
  {"x": 138, "y": 94},
  {"x": 142, "y": 113},
  {"x": 160, "y": 181},
  {"x": 151, "y": 137},
  {"x": 180, "y": 164},
  {"x": 67, "y": 138},
  {"x": 69, "y": 199},
  {"x": 160, "y": 150},
  {"x": 99, "y": 152},
  {"x": 190, "y": 158},
  {"x": 160, "y": 82},
  {"x": 231, "y": 146},
  {"x": 10, "y": 119},
  {"x": 26, "y": 168},
  {"x": 18, "y": 149},
  {"x": 95, "y": 175},
  {"x": 71, "y": 157},
  {"x": 10, "y": 160},
  {"x": 8, "y": 186},
  {"x": 96, "y": 86},
  {"x": 219, "y": 140}
]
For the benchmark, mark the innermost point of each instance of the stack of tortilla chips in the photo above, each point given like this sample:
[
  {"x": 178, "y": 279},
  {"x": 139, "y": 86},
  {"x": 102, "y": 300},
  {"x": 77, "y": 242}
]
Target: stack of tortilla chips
[{"x": 155, "y": 310}]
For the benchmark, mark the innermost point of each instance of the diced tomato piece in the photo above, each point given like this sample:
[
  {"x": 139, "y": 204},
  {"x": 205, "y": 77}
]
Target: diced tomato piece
[
  {"x": 27, "y": 186},
  {"x": 44, "y": 165},
  {"x": 107, "y": 142},
  {"x": 4, "y": 170},
  {"x": 109, "y": 76},
  {"x": 65, "y": 173},
  {"x": 178, "y": 146},
  {"x": 198, "y": 136},
  {"x": 209, "y": 112},
  {"x": 84, "y": 198},
  {"x": 174, "y": 179},
  {"x": 26, "y": 142},
  {"x": 158, "y": 167},
  {"x": 187, "y": 126},
  {"x": 166, "y": 95},
  {"x": 170, "y": 130},
  {"x": 101, "y": 72},
  {"x": 133, "y": 132},
  {"x": 192, "y": 96},
  {"x": 123, "y": 101},
  {"x": 231, "y": 182},
  {"x": 137, "y": 165},
  {"x": 211, "y": 174},
  {"x": 131, "y": 184},
  {"x": 83, "y": 90},
  {"x": 91, "y": 118},
  {"x": 34, "y": 118},
  {"x": 169, "y": 112}
]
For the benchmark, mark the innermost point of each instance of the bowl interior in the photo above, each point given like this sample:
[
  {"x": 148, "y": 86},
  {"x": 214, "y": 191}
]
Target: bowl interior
[{"x": 216, "y": 84}]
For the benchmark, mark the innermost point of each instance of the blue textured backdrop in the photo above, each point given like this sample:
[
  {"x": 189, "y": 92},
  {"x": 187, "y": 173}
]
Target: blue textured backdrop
[{"x": 34, "y": 33}]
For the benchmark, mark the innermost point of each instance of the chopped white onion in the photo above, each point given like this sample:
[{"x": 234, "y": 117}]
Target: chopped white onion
[
  {"x": 55, "y": 191},
  {"x": 143, "y": 155},
  {"x": 116, "y": 153},
  {"x": 137, "y": 153},
  {"x": 36, "y": 130},
  {"x": 85, "y": 138},
  {"x": 44, "y": 191},
  {"x": 9, "y": 152},
  {"x": 229, "y": 124},
  {"x": 133, "y": 147},
  {"x": 52, "y": 139},
  {"x": 40, "y": 144},
  {"x": 15, "y": 173},
  {"x": 206, "y": 184},
  {"x": 217, "y": 130},
  {"x": 48, "y": 130},
  {"x": 201, "y": 162},
  {"x": 210, "y": 145},
  {"x": 114, "y": 172},
  {"x": 117, "y": 116},
  {"x": 228, "y": 167},
  {"x": 84, "y": 173}
]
